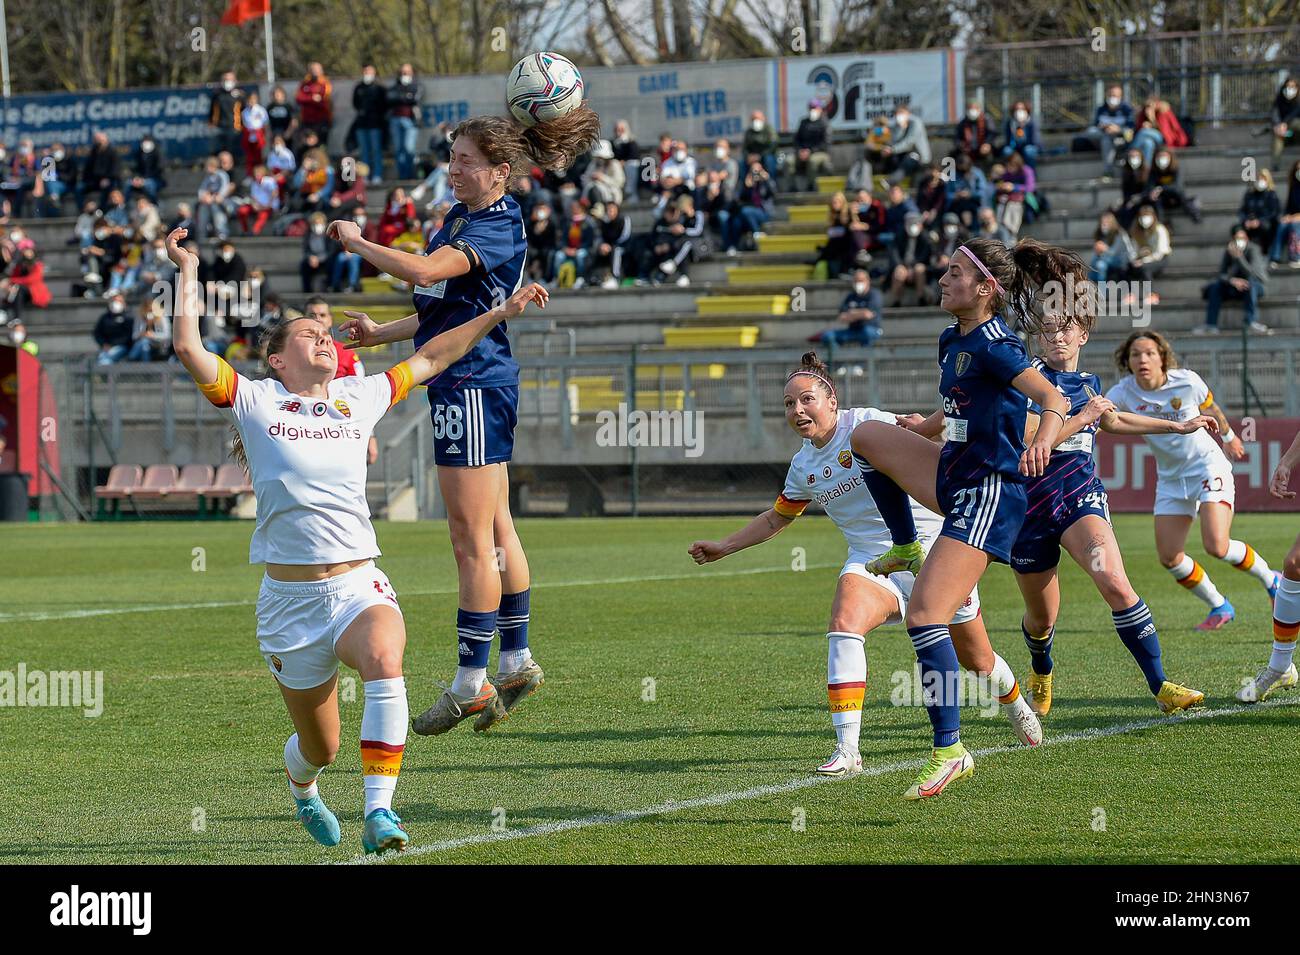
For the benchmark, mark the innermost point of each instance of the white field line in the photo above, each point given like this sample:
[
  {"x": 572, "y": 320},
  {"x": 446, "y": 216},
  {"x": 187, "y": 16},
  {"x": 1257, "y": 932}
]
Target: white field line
[
  {"x": 776, "y": 789},
  {"x": 36, "y": 615}
]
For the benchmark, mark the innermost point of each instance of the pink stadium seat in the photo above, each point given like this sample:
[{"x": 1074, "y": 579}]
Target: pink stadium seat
[
  {"x": 230, "y": 480},
  {"x": 159, "y": 481},
  {"x": 195, "y": 479},
  {"x": 123, "y": 481}
]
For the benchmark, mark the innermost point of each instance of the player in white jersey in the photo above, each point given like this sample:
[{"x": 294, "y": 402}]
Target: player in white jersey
[
  {"x": 1193, "y": 474},
  {"x": 823, "y": 471},
  {"x": 302, "y": 436}
]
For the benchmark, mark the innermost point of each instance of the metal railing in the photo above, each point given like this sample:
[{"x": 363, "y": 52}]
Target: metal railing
[{"x": 1207, "y": 76}]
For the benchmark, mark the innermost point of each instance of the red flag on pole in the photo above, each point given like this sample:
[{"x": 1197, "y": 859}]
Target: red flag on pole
[{"x": 241, "y": 10}]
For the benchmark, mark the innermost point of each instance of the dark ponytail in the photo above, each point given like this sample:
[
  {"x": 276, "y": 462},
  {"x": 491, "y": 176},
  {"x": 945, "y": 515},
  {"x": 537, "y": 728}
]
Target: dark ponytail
[
  {"x": 810, "y": 364},
  {"x": 1051, "y": 281}
]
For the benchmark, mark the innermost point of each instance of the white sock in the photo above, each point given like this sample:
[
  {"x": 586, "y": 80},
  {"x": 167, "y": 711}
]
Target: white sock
[
  {"x": 468, "y": 680},
  {"x": 1244, "y": 557},
  {"x": 1002, "y": 681},
  {"x": 1193, "y": 577},
  {"x": 510, "y": 660},
  {"x": 846, "y": 683},
  {"x": 1286, "y": 618},
  {"x": 383, "y": 738},
  {"x": 302, "y": 774}
]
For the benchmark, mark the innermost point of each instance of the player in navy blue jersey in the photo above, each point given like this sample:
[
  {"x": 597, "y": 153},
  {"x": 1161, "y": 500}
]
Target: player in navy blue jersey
[
  {"x": 1067, "y": 507},
  {"x": 976, "y": 480},
  {"x": 475, "y": 261}
]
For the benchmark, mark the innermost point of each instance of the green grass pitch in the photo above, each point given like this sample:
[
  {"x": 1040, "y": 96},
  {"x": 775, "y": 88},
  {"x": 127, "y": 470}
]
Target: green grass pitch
[{"x": 184, "y": 764}]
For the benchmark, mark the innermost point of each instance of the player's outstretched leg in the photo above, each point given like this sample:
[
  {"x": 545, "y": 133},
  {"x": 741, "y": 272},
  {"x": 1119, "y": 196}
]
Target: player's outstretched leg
[
  {"x": 470, "y": 694},
  {"x": 518, "y": 675},
  {"x": 976, "y": 654},
  {"x": 383, "y": 739},
  {"x": 1216, "y": 530},
  {"x": 1171, "y": 538},
  {"x": 1280, "y": 671},
  {"x": 895, "y": 464},
  {"x": 846, "y": 685},
  {"x": 315, "y": 816}
]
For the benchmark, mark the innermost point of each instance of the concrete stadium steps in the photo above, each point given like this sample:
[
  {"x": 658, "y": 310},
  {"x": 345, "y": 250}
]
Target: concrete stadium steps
[
  {"x": 1080, "y": 196},
  {"x": 1215, "y": 224}
]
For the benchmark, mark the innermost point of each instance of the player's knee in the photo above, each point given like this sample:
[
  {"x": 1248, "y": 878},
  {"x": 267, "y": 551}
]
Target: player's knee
[
  {"x": 319, "y": 753},
  {"x": 1039, "y": 621},
  {"x": 380, "y": 663},
  {"x": 1217, "y": 549},
  {"x": 1169, "y": 561},
  {"x": 1291, "y": 566},
  {"x": 1115, "y": 588}
]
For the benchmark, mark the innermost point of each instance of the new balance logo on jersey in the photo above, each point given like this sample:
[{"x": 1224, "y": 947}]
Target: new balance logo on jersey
[{"x": 293, "y": 407}]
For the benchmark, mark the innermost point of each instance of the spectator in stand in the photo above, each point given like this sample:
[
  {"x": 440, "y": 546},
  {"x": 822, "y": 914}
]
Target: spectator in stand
[
  {"x": 967, "y": 191},
  {"x": 628, "y": 153},
  {"x": 861, "y": 175},
  {"x": 18, "y": 176},
  {"x": 183, "y": 218},
  {"x": 754, "y": 205},
  {"x": 282, "y": 118},
  {"x": 316, "y": 251},
  {"x": 1135, "y": 186},
  {"x": 858, "y": 322},
  {"x": 281, "y": 163},
  {"x": 24, "y": 285},
  {"x": 868, "y": 226},
  {"x": 101, "y": 169},
  {"x": 114, "y": 331},
  {"x": 370, "y": 102},
  {"x": 1260, "y": 211},
  {"x": 676, "y": 175},
  {"x": 909, "y": 262},
  {"x": 405, "y": 116},
  {"x": 974, "y": 138},
  {"x": 1112, "y": 127},
  {"x": 312, "y": 184},
  {"x": 1151, "y": 248},
  {"x": 349, "y": 263},
  {"x": 349, "y": 195},
  {"x": 812, "y": 149},
  {"x": 1285, "y": 118},
  {"x": 1286, "y": 246},
  {"x": 603, "y": 180},
  {"x": 115, "y": 210},
  {"x": 1243, "y": 277},
  {"x": 228, "y": 271},
  {"x": 225, "y": 114},
  {"x": 439, "y": 145},
  {"x": 712, "y": 201},
  {"x": 1112, "y": 249},
  {"x": 253, "y": 137},
  {"x": 577, "y": 240},
  {"x": 146, "y": 222},
  {"x": 760, "y": 140},
  {"x": 60, "y": 173},
  {"x": 839, "y": 252},
  {"x": 1014, "y": 188},
  {"x": 667, "y": 250},
  {"x": 155, "y": 266},
  {"x": 946, "y": 240},
  {"x": 1021, "y": 134},
  {"x": 990, "y": 228},
  {"x": 909, "y": 144},
  {"x": 211, "y": 218},
  {"x": 614, "y": 232},
  {"x": 931, "y": 196},
  {"x": 437, "y": 185},
  {"x": 1165, "y": 187},
  {"x": 147, "y": 165},
  {"x": 1157, "y": 126},
  {"x": 263, "y": 201},
  {"x": 727, "y": 169},
  {"x": 151, "y": 334},
  {"x": 543, "y": 240},
  {"x": 899, "y": 207},
  {"x": 308, "y": 141},
  {"x": 398, "y": 209},
  {"x": 315, "y": 99},
  {"x": 878, "y": 145}
]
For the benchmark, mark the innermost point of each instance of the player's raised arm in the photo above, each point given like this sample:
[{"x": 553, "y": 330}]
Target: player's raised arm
[
  {"x": 1279, "y": 483},
  {"x": 442, "y": 351},
  {"x": 762, "y": 528},
  {"x": 363, "y": 331},
  {"x": 444, "y": 263},
  {"x": 1126, "y": 422},
  {"x": 186, "y": 341},
  {"x": 1034, "y": 385}
]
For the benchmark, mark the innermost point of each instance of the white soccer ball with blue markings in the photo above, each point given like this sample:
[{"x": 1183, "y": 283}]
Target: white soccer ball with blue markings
[{"x": 543, "y": 86}]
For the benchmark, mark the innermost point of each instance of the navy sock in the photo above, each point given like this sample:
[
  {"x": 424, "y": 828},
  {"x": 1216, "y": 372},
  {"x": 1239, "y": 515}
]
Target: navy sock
[
  {"x": 1138, "y": 631},
  {"x": 939, "y": 676},
  {"x": 1040, "y": 651},
  {"x": 895, "y": 507},
  {"x": 474, "y": 632},
  {"x": 512, "y": 620}
]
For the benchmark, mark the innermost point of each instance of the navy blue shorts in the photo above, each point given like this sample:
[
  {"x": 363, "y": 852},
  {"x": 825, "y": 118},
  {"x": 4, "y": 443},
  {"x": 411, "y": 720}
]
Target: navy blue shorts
[
  {"x": 1038, "y": 548},
  {"x": 985, "y": 513},
  {"x": 473, "y": 426}
]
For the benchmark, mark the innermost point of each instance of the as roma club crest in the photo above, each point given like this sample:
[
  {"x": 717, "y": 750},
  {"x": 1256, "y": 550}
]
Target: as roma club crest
[
  {"x": 342, "y": 407},
  {"x": 277, "y": 663},
  {"x": 846, "y": 458},
  {"x": 963, "y": 362}
]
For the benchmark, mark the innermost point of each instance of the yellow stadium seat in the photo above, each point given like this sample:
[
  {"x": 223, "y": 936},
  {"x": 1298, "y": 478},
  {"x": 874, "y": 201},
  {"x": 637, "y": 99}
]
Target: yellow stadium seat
[
  {"x": 721, "y": 336},
  {"x": 742, "y": 304},
  {"x": 746, "y": 274}
]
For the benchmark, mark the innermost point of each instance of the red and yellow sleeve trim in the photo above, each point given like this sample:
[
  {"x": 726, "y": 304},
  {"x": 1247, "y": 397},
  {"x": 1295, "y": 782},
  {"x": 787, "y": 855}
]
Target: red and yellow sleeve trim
[
  {"x": 222, "y": 391},
  {"x": 788, "y": 507},
  {"x": 401, "y": 381},
  {"x": 1209, "y": 400}
]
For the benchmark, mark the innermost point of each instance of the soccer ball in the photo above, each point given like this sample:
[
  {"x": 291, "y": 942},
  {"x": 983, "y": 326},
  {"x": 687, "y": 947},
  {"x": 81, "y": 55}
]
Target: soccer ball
[{"x": 543, "y": 86}]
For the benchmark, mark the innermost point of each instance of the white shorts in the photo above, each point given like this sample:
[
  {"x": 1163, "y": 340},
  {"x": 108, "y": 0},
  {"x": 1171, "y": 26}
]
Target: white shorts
[
  {"x": 900, "y": 585},
  {"x": 1184, "y": 496},
  {"x": 299, "y": 623}
]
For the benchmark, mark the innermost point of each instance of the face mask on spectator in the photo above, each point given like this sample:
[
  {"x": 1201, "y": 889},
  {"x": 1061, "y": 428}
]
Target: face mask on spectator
[
  {"x": 680, "y": 155},
  {"x": 1022, "y": 116},
  {"x": 147, "y": 146},
  {"x": 814, "y": 114},
  {"x": 101, "y": 234},
  {"x": 1260, "y": 185},
  {"x": 914, "y": 230},
  {"x": 116, "y": 307},
  {"x": 1240, "y": 244},
  {"x": 406, "y": 79},
  {"x": 860, "y": 288},
  {"x": 1135, "y": 161},
  {"x": 1145, "y": 221},
  {"x": 1113, "y": 102},
  {"x": 58, "y": 155},
  {"x": 367, "y": 78},
  {"x": 543, "y": 215},
  {"x": 227, "y": 255},
  {"x": 318, "y": 229},
  {"x": 756, "y": 125},
  {"x": 950, "y": 230},
  {"x": 16, "y": 235},
  {"x": 720, "y": 153},
  {"x": 360, "y": 221},
  {"x": 972, "y": 114},
  {"x": 1289, "y": 92},
  {"x": 902, "y": 118},
  {"x": 228, "y": 85},
  {"x": 25, "y": 150},
  {"x": 1162, "y": 162}
]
